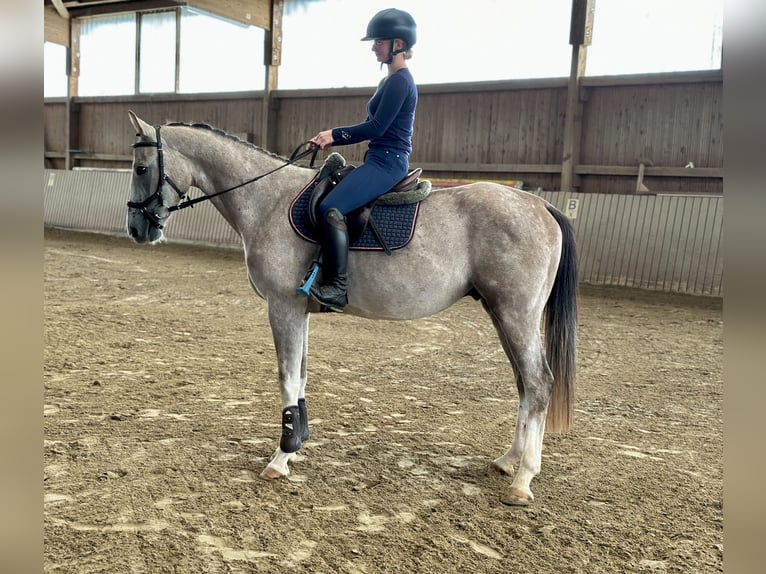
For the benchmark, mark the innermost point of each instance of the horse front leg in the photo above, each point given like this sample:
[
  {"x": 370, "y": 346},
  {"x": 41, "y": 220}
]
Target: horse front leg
[
  {"x": 302, "y": 410},
  {"x": 289, "y": 327}
]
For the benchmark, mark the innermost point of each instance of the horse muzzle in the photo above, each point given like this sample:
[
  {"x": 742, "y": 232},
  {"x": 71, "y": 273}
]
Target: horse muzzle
[{"x": 141, "y": 229}]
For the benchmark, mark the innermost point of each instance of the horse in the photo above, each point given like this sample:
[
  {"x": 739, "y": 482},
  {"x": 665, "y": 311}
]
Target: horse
[{"x": 510, "y": 249}]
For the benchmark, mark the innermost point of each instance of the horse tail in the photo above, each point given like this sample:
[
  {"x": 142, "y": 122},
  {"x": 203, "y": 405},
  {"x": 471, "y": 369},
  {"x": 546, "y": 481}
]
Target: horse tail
[{"x": 561, "y": 330}]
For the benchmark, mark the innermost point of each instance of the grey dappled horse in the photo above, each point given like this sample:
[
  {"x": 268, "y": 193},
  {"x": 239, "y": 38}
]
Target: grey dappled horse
[{"x": 510, "y": 249}]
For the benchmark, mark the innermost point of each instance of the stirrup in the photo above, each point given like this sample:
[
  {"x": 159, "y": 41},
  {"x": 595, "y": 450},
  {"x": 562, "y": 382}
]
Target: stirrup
[{"x": 308, "y": 280}]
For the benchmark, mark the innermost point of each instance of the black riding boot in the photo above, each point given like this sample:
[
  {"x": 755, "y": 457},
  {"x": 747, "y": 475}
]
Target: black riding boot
[{"x": 332, "y": 292}]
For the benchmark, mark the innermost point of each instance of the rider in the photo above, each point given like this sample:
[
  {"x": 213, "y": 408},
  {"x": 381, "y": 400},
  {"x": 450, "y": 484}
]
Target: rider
[{"x": 388, "y": 127}]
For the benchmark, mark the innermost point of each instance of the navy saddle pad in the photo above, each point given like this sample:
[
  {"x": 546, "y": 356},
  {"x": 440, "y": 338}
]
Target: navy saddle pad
[{"x": 396, "y": 223}]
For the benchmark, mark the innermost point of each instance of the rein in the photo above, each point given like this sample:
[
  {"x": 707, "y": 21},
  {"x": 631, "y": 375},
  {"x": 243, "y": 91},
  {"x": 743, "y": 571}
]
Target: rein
[{"x": 156, "y": 220}]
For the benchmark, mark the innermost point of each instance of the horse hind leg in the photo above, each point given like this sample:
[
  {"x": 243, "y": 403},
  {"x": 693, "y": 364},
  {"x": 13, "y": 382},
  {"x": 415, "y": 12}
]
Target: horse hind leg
[
  {"x": 506, "y": 463},
  {"x": 509, "y": 461},
  {"x": 522, "y": 343}
]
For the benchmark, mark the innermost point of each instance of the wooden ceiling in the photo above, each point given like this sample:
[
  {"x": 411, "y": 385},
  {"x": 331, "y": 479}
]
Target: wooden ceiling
[{"x": 59, "y": 13}]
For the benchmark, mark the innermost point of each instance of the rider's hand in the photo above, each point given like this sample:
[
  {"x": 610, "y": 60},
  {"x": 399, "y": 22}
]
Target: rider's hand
[{"x": 323, "y": 139}]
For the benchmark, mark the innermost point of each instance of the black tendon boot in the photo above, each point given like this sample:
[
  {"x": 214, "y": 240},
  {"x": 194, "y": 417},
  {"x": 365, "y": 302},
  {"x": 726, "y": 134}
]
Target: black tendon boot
[
  {"x": 291, "y": 429},
  {"x": 332, "y": 292}
]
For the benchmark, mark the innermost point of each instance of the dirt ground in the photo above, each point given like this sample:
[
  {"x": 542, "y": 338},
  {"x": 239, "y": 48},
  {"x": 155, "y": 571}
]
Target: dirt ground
[{"x": 162, "y": 407}]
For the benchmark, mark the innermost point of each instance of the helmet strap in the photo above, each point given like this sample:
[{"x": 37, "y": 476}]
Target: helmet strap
[{"x": 393, "y": 52}]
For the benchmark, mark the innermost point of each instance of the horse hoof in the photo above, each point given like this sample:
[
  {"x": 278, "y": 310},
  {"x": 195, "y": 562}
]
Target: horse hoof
[
  {"x": 271, "y": 473},
  {"x": 502, "y": 468},
  {"x": 515, "y": 497}
]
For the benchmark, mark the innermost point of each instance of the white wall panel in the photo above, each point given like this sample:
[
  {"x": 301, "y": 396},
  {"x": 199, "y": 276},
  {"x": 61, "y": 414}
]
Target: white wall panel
[{"x": 664, "y": 243}]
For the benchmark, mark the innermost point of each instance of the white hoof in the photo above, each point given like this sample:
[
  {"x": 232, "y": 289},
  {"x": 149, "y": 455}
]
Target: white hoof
[
  {"x": 517, "y": 497},
  {"x": 271, "y": 473},
  {"x": 277, "y": 467}
]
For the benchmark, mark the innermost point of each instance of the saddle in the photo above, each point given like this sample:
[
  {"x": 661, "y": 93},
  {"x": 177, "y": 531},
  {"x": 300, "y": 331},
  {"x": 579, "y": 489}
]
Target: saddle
[
  {"x": 358, "y": 219},
  {"x": 386, "y": 223}
]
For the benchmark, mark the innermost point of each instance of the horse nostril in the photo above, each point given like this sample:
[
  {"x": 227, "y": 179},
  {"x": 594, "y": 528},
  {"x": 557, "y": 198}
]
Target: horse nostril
[{"x": 133, "y": 232}]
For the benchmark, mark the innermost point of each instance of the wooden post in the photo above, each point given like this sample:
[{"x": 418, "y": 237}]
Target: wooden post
[
  {"x": 580, "y": 35},
  {"x": 72, "y": 108},
  {"x": 137, "y": 63},
  {"x": 272, "y": 56},
  {"x": 177, "y": 82}
]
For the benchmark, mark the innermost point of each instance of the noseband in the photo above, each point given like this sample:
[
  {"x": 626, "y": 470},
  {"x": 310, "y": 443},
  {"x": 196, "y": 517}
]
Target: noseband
[{"x": 143, "y": 206}]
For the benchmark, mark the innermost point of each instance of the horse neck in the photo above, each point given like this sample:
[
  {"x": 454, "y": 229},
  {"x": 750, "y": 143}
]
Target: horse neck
[{"x": 220, "y": 162}]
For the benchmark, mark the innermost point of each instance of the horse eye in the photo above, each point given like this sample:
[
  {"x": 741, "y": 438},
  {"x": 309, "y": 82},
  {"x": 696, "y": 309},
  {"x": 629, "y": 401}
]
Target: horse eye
[{"x": 140, "y": 169}]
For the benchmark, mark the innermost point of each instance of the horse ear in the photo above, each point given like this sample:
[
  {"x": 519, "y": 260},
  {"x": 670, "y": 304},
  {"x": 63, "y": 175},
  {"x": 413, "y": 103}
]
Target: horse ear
[{"x": 142, "y": 128}]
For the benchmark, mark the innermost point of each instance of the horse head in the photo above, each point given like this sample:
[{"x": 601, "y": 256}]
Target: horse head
[{"x": 151, "y": 202}]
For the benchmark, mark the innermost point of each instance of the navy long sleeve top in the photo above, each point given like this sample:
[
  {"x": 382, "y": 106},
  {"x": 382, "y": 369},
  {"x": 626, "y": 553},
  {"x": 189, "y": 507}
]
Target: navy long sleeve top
[{"x": 390, "y": 116}]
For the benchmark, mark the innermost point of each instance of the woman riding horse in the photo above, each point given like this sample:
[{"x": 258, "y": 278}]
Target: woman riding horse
[{"x": 388, "y": 127}]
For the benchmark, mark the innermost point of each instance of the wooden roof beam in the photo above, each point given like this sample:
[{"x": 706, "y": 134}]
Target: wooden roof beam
[
  {"x": 251, "y": 12},
  {"x": 56, "y": 27},
  {"x": 116, "y": 7},
  {"x": 60, "y": 8}
]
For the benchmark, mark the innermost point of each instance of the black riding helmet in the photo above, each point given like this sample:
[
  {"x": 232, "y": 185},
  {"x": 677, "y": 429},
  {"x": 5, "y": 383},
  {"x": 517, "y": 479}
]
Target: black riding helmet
[{"x": 392, "y": 23}]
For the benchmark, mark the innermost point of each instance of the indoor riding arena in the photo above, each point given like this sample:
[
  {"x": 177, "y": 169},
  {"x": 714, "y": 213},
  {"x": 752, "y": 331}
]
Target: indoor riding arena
[{"x": 161, "y": 396}]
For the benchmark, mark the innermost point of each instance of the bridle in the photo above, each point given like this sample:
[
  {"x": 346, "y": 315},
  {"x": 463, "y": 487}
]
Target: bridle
[
  {"x": 143, "y": 206},
  {"x": 156, "y": 220}
]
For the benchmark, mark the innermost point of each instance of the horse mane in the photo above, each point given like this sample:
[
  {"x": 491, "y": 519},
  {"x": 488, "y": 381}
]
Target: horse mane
[{"x": 221, "y": 133}]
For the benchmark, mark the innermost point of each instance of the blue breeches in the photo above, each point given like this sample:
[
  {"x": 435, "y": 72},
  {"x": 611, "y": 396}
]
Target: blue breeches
[{"x": 381, "y": 170}]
